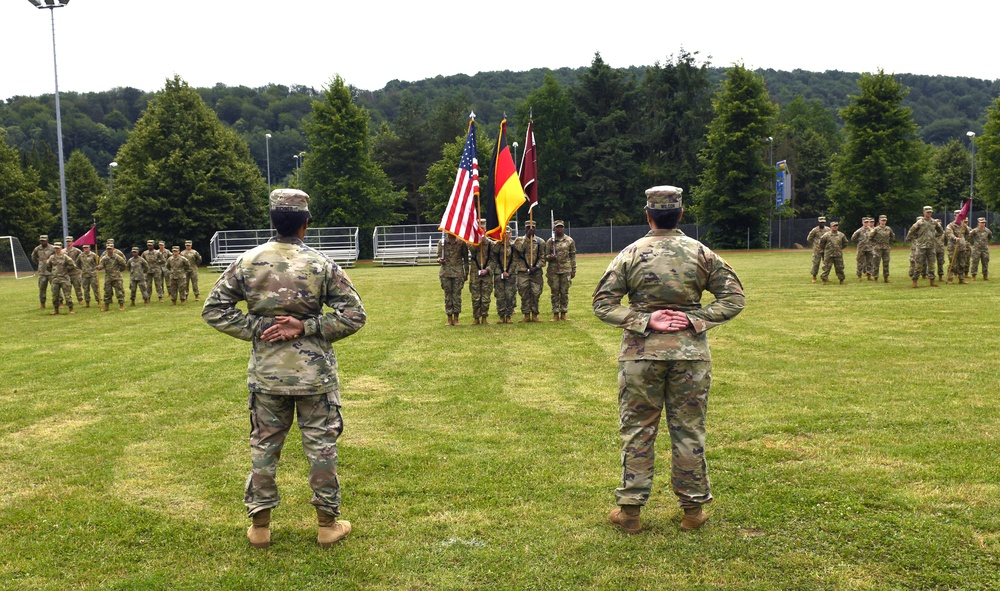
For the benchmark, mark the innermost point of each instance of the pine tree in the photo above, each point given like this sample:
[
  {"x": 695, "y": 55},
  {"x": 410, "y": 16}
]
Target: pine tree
[{"x": 24, "y": 207}]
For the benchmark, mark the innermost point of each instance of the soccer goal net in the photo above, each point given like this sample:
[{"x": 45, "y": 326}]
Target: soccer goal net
[{"x": 13, "y": 262}]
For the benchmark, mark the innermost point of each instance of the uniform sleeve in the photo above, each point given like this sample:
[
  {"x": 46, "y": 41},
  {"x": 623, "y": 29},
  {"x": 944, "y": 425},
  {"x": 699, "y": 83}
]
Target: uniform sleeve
[
  {"x": 607, "y": 302},
  {"x": 346, "y": 315},
  {"x": 729, "y": 299},
  {"x": 221, "y": 313},
  {"x": 572, "y": 256},
  {"x": 465, "y": 259},
  {"x": 197, "y": 258}
]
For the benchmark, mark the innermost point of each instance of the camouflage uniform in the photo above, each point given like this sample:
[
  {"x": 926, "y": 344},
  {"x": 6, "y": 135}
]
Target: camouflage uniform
[
  {"x": 194, "y": 259},
  {"x": 177, "y": 271},
  {"x": 505, "y": 289},
  {"x": 882, "y": 237},
  {"x": 480, "y": 286},
  {"x": 160, "y": 277},
  {"x": 74, "y": 277},
  {"x": 671, "y": 370},
  {"x": 957, "y": 238},
  {"x": 833, "y": 243},
  {"x": 279, "y": 278},
  {"x": 924, "y": 235},
  {"x": 453, "y": 256},
  {"x": 88, "y": 276},
  {"x": 59, "y": 267},
  {"x": 154, "y": 258},
  {"x": 815, "y": 235},
  {"x": 561, "y": 270},
  {"x": 939, "y": 248},
  {"x": 866, "y": 251},
  {"x": 980, "y": 238},
  {"x": 529, "y": 258},
  {"x": 138, "y": 268},
  {"x": 113, "y": 263},
  {"x": 39, "y": 256}
]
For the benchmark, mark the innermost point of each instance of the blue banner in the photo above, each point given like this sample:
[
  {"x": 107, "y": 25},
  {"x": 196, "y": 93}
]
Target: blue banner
[{"x": 783, "y": 184}]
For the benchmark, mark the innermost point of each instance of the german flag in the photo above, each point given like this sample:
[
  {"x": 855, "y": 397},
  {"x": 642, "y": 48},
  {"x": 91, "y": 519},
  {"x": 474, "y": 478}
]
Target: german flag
[{"x": 505, "y": 188}]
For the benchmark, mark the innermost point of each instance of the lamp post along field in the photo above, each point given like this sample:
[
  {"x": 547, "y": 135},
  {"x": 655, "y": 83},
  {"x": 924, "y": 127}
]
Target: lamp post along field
[
  {"x": 972, "y": 172},
  {"x": 267, "y": 148},
  {"x": 111, "y": 177},
  {"x": 51, "y": 5}
]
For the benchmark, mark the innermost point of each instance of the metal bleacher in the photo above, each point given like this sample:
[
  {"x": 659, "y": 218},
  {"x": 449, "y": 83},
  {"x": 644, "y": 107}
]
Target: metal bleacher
[
  {"x": 340, "y": 244},
  {"x": 406, "y": 245}
]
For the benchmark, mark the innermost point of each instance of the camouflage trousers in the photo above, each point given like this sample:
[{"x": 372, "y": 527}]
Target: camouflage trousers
[
  {"x": 62, "y": 287},
  {"x": 645, "y": 389},
  {"x": 43, "y": 287},
  {"x": 481, "y": 289},
  {"x": 864, "y": 260},
  {"x": 817, "y": 259},
  {"x": 140, "y": 283},
  {"x": 177, "y": 286},
  {"x": 75, "y": 279},
  {"x": 89, "y": 283},
  {"x": 959, "y": 263},
  {"x": 837, "y": 262},
  {"x": 155, "y": 278},
  {"x": 939, "y": 253},
  {"x": 452, "y": 287},
  {"x": 923, "y": 262},
  {"x": 192, "y": 280},
  {"x": 881, "y": 255},
  {"x": 559, "y": 292},
  {"x": 506, "y": 294},
  {"x": 981, "y": 255},
  {"x": 529, "y": 287},
  {"x": 320, "y": 423},
  {"x": 119, "y": 290}
]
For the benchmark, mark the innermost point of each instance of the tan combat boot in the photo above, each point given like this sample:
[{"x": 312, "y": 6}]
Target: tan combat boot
[
  {"x": 133, "y": 303},
  {"x": 626, "y": 518},
  {"x": 331, "y": 530},
  {"x": 555, "y": 317},
  {"x": 859, "y": 278},
  {"x": 973, "y": 278},
  {"x": 694, "y": 518},
  {"x": 259, "y": 533},
  {"x": 814, "y": 279},
  {"x": 475, "y": 321},
  {"x": 869, "y": 275},
  {"x": 562, "y": 316},
  {"x": 985, "y": 278},
  {"x": 121, "y": 307},
  {"x": 961, "y": 281},
  {"x": 88, "y": 304},
  {"x": 534, "y": 317},
  {"x": 104, "y": 308},
  {"x": 448, "y": 323},
  {"x": 42, "y": 306},
  {"x": 55, "y": 311},
  {"x": 527, "y": 318},
  {"x": 885, "y": 279},
  {"x": 933, "y": 283},
  {"x": 914, "y": 284}
]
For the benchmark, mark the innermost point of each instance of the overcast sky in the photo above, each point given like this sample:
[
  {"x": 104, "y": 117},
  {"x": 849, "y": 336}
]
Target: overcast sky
[{"x": 104, "y": 44}]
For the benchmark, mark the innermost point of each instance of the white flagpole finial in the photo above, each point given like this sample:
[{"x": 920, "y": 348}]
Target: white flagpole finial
[{"x": 472, "y": 114}]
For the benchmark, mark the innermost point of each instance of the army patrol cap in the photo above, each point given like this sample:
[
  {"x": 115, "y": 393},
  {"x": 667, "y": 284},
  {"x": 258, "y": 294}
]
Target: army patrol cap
[
  {"x": 289, "y": 200},
  {"x": 110, "y": 243},
  {"x": 135, "y": 249},
  {"x": 150, "y": 243},
  {"x": 187, "y": 243},
  {"x": 821, "y": 219},
  {"x": 69, "y": 239},
  {"x": 57, "y": 245},
  {"x": 928, "y": 208},
  {"x": 882, "y": 217},
  {"x": 86, "y": 246},
  {"x": 175, "y": 248},
  {"x": 832, "y": 224},
  {"x": 558, "y": 223},
  {"x": 664, "y": 197},
  {"x": 981, "y": 220},
  {"x": 529, "y": 224},
  {"x": 162, "y": 243},
  {"x": 44, "y": 237}
]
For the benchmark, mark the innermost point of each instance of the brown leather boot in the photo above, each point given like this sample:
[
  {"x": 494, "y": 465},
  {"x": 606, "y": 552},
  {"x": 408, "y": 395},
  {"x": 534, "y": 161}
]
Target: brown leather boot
[
  {"x": 88, "y": 304},
  {"x": 527, "y": 318},
  {"x": 914, "y": 284},
  {"x": 825, "y": 280},
  {"x": 534, "y": 317},
  {"x": 859, "y": 278},
  {"x": 885, "y": 279},
  {"x": 475, "y": 321},
  {"x": 259, "y": 533},
  {"x": 814, "y": 279},
  {"x": 562, "y": 316},
  {"x": 555, "y": 317},
  {"x": 933, "y": 283},
  {"x": 448, "y": 323},
  {"x": 626, "y": 518},
  {"x": 985, "y": 278},
  {"x": 694, "y": 518},
  {"x": 104, "y": 308},
  {"x": 55, "y": 311},
  {"x": 331, "y": 529}
]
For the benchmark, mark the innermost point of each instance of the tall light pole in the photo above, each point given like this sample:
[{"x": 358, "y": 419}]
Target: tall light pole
[
  {"x": 972, "y": 173},
  {"x": 267, "y": 147},
  {"x": 51, "y": 5},
  {"x": 770, "y": 145},
  {"x": 302, "y": 159},
  {"x": 111, "y": 177},
  {"x": 297, "y": 164}
]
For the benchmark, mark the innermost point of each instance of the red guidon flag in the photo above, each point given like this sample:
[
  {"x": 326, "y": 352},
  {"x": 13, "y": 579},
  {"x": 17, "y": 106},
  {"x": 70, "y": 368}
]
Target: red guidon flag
[
  {"x": 507, "y": 194},
  {"x": 89, "y": 238},
  {"x": 964, "y": 213},
  {"x": 460, "y": 216},
  {"x": 529, "y": 168}
]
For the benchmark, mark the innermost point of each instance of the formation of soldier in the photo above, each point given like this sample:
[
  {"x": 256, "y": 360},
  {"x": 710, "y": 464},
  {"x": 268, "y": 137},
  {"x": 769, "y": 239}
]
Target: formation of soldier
[
  {"x": 74, "y": 269},
  {"x": 507, "y": 270}
]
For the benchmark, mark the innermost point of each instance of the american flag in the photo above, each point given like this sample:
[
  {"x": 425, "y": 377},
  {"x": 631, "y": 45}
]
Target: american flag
[{"x": 460, "y": 217}]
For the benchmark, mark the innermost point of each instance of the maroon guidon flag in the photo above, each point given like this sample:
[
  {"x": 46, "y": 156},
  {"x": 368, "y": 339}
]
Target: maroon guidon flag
[
  {"x": 529, "y": 167},
  {"x": 89, "y": 238}
]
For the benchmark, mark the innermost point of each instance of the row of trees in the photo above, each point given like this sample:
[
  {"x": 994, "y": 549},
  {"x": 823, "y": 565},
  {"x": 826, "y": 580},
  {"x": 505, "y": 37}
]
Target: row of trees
[{"x": 187, "y": 170}]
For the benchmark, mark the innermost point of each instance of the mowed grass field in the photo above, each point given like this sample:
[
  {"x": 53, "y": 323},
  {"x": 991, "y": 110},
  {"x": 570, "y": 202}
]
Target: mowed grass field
[{"x": 853, "y": 444}]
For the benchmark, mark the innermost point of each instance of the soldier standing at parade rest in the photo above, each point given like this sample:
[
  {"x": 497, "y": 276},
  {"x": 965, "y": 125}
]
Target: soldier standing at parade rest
[
  {"x": 138, "y": 268},
  {"x": 293, "y": 367},
  {"x": 529, "y": 254},
  {"x": 815, "y": 235},
  {"x": 664, "y": 362},
  {"x": 453, "y": 256},
  {"x": 833, "y": 242},
  {"x": 562, "y": 269},
  {"x": 939, "y": 253},
  {"x": 957, "y": 238},
  {"x": 194, "y": 259},
  {"x": 865, "y": 252},
  {"x": 480, "y": 277},
  {"x": 153, "y": 258},
  {"x": 913, "y": 252},
  {"x": 59, "y": 266},
  {"x": 88, "y": 275},
  {"x": 161, "y": 276},
  {"x": 113, "y": 263},
  {"x": 980, "y": 238},
  {"x": 504, "y": 276},
  {"x": 177, "y": 271},
  {"x": 881, "y": 239},
  {"x": 924, "y": 234},
  {"x": 39, "y": 256},
  {"x": 74, "y": 277}
]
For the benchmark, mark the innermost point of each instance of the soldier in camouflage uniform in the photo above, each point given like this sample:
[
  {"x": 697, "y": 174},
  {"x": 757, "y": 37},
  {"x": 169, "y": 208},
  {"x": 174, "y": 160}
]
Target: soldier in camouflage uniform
[
  {"x": 881, "y": 238},
  {"x": 194, "y": 259},
  {"x": 664, "y": 362},
  {"x": 980, "y": 237},
  {"x": 154, "y": 258},
  {"x": 177, "y": 271},
  {"x": 480, "y": 277},
  {"x": 913, "y": 252},
  {"x": 161, "y": 277},
  {"x": 529, "y": 258},
  {"x": 562, "y": 269},
  {"x": 504, "y": 276},
  {"x": 833, "y": 242},
  {"x": 113, "y": 263},
  {"x": 59, "y": 266},
  {"x": 453, "y": 256},
  {"x": 88, "y": 275},
  {"x": 74, "y": 277},
  {"x": 138, "y": 268},
  {"x": 957, "y": 237},
  {"x": 939, "y": 248},
  {"x": 293, "y": 367},
  {"x": 924, "y": 235},
  {"x": 865, "y": 252},
  {"x": 815, "y": 235},
  {"x": 39, "y": 256}
]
